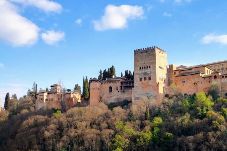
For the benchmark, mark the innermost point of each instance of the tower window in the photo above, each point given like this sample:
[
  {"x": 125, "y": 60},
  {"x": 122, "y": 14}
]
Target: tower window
[
  {"x": 110, "y": 89},
  {"x": 149, "y": 78},
  {"x": 149, "y": 66},
  {"x": 141, "y": 79},
  {"x": 145, "y": 78}
]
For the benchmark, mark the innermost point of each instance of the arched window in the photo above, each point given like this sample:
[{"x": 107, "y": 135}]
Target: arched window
[{"x": 110, "y": 89}]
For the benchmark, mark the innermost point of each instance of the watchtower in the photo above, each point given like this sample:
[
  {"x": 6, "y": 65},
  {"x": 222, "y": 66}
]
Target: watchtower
[{"x": 150, "y": 73}]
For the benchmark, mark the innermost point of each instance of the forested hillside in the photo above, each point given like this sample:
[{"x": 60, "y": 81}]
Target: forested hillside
[{"x": 195, "y": 122}]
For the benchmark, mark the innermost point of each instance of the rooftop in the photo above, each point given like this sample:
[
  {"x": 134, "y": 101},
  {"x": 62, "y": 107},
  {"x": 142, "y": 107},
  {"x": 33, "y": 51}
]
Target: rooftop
[{"x": 148, "y": 49}]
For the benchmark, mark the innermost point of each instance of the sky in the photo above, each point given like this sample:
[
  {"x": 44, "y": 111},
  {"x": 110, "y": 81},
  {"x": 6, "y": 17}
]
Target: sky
[{"x": 51, "y": 41}]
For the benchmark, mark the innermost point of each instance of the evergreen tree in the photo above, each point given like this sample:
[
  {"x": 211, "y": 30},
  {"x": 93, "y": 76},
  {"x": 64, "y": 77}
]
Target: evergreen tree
[
  {"x": 85, "y": 88},
  {"x": 77, "y": 88},
  {"x": 112, "y": 71},
  {"x": 100, "y": 77},
  {"x": 7, "y": 99},
  {"x": 104, "y": 74}
]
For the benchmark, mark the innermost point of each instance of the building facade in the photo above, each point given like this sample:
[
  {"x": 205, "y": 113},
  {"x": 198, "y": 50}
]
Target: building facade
[
  {"x": 154, "y": 78},
  {"x": 57, "y": 98}
]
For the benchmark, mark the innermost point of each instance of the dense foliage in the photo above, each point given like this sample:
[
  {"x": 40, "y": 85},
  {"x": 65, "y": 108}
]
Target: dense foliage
[
  {"x": 85, "y": 93},
  {"x": 195, "y": 122}
]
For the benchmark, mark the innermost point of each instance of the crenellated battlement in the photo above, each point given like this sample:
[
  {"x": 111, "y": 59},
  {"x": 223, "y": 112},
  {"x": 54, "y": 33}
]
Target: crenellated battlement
[{"x": 144, "y": 50}]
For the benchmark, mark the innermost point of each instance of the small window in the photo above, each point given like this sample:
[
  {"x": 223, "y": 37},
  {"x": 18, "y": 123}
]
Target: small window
[
  {"x": 140, "y": 68},
  {"x": 141, "y": 79},
  {"x": 149, "y": 78},
  {"x": 183, "y": 81},
  {"x": 145, "y": 78},
  {"x": 225, "y": 94},
  {"x": 121, "y": 87},
  {"x": 117, "y": 88},
  {"x": 110, "y": 89},
  {"x": 215, "y": 77}
]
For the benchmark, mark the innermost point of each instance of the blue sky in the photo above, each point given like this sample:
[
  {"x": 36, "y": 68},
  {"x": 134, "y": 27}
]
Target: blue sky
[{"x": 50, "y": 41}]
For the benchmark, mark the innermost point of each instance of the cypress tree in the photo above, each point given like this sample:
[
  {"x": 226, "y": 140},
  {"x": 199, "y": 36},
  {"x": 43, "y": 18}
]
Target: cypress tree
[
  {"x": 85, "y": 88},
  {"x": 7, "y": 99},
  {"x": 100, "y": 77}
]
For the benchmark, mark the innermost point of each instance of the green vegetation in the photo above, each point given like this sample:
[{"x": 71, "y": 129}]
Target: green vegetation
[
  {"x": 196, "y": 122},
  {"x": 85, "y": 88}
]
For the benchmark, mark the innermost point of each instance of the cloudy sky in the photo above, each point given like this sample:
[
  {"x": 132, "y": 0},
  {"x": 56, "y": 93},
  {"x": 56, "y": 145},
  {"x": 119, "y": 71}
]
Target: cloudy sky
[{"x": 48, "y": 41}]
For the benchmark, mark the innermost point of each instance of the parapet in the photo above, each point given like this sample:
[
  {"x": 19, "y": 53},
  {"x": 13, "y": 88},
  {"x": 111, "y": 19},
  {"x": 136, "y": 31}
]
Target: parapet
[{"x": 148, "y": 49}]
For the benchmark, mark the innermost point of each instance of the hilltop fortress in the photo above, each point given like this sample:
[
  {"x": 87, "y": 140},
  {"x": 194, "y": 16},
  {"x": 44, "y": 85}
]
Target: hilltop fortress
[{"x": 154, "y": 79}]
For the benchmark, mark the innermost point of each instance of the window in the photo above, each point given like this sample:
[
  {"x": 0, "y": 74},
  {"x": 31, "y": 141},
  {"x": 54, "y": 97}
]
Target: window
[
  {"x": 110, "y": 89},
  {"x": 117, "y": 88},
  {"x": 149, "y": 78},
  {"x": 121, "y": 87},
  {"x": 141, "y": 79},
  {"x": 183, "y": 81},
  {"x": 215, "y": 77},
  {"x": 140, "y": 68},
  {"x": 145, "y": 78},
  {"x": 149, "y": 66},
  {"x": 225, "y": 94}
]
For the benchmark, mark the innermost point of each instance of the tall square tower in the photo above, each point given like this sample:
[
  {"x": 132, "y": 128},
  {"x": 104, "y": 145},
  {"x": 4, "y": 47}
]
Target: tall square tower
[{"x": 150, "y": 73}]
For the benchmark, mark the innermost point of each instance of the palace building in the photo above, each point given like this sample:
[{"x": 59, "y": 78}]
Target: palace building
[{"x": 154, "y": 78}]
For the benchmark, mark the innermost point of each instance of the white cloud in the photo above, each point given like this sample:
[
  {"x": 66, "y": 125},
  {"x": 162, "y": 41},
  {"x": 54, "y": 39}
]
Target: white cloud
[
  {"x": 79, "y": 21},
  {"x": 162, "y": 1},
  {"x": 45, "y": 5},
  {"x": 117, "y": 17},
  {"x": 166, "y": 14},
  {"x": 15, "y": 28},
  {"x": 51, "y": 37},
  {"x": 213, "y": 38}
]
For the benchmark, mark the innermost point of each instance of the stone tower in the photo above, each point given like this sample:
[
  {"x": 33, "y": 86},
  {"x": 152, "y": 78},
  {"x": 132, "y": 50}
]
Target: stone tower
[
  {"x": 95, "y": 89},
  {"x": 150, "y": 73}
]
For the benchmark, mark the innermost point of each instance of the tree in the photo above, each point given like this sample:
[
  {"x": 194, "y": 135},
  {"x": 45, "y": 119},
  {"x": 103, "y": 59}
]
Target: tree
[
  {"x": 77, "y": 88},
  {"x": 7, "y": 99},
  {"x": 85, "y": 88},
  {"x": 112, "y": 71},
  {"x": 214, "y": 91},
  {"x": 14, "y": 97},
  {"x": 100, "y": 77}
]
